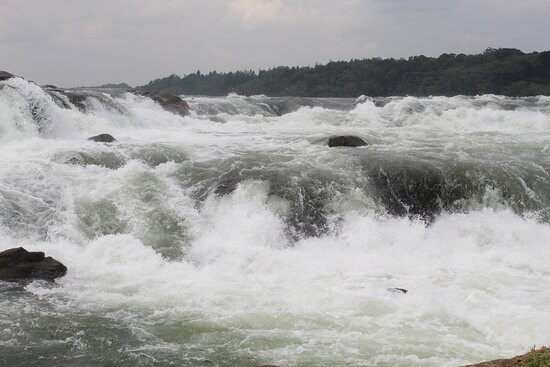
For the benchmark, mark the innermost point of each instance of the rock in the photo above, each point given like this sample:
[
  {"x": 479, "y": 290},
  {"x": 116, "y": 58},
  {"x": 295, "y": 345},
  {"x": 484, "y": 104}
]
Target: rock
[
  {"x": 346, "y": 141},
  {"x": 4, "y": 75},
  {"x": 18, "y": 264},
  {"x": 102, "y": 138},
  {"x": 171, "y": 103},
  {"x": 77, "y": 99},
  {"x": 217, "y": 119},
  {"x": 398, "y": 290},
  {"x": 306, "y": 215},
  {"x": 102, "y": 158},
  {"x": 417, "y": 188}
]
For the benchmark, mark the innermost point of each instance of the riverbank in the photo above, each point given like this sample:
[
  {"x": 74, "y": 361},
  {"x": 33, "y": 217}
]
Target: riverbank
[{"x": 535, "y": 358}]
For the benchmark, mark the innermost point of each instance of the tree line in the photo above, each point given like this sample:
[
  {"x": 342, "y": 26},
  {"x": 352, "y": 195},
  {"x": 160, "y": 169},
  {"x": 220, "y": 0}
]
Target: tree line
[{"x": 503, "y": 71}]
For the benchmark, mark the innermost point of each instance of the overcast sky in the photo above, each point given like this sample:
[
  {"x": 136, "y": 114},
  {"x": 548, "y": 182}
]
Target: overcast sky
[{"x": 90, "y": 42}]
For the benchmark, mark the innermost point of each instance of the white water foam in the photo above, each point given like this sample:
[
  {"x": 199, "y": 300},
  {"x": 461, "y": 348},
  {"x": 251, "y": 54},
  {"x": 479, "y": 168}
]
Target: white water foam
[{"x": 477, "y": 280}]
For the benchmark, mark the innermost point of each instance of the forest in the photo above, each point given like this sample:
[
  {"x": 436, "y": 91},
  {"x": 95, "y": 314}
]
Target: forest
[{"x": 504, "y": 71}]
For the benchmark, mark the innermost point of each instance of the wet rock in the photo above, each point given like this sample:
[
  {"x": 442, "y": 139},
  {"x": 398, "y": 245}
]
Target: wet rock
[
  {"x": 217, "y": 119},
  {"x": 4, "y": 75},
  {"x": 418, "y": 189},
  {"x": 102, "y": 138},
  {"x": 346, "y": 141},
  {"x": 72, "y": 98},
  {"x": 106, "y": 159},
  {"x": 57, "y": 95},
  {"x": 227, "y": 184},
  {"x": 77, "y": 99},
  {"x": 307, "y": 212},
  {"x": 171, "y": 103},
  {"x": 19, "y": 264},
  {"x": 398, "y": 290},
  {"x": 84, "y": 100},
  {"x": 156, "y": 154}
]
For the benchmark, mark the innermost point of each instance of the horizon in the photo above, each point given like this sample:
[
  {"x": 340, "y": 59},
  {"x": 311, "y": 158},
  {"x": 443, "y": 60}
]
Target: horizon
[{"x": 75, "y": 44}]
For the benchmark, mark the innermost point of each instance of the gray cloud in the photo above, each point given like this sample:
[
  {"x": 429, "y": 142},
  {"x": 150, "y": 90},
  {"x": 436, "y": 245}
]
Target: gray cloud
[{"x": 80, "y": 42}]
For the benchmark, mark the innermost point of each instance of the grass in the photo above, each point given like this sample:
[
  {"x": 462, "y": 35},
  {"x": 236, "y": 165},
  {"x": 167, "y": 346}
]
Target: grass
[{"x": 537, "y": 358}]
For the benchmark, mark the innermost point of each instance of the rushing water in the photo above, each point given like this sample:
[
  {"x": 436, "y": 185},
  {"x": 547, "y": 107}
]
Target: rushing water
[{"x": 236, "y": 237}]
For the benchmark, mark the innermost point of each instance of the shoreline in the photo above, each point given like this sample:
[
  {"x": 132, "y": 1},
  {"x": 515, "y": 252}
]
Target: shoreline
[{"x": 535, "y": 358}]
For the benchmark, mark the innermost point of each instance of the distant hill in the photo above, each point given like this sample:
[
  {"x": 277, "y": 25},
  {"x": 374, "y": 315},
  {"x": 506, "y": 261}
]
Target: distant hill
[
  {"x": 504, "y": 71},
  {"x": 112, "y": 86}
]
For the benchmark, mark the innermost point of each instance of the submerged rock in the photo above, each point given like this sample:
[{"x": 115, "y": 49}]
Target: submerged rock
[
  {"x": 84, "y": 100},
  {"x": 4, "y": 75},
  {"x": 217, "y": 119},
  {"x": 306, "y": 216},
  {"x": 77, "y": 99},
  {"x": 171, "y": 103},
  {"x": 346, "y": 141},
  {"x": 107, "y": 159},
  {"x": 418, "y": 189},
  {"x": 18, "y": 263},
  {"x": 398, "y": 290},
  {"x": 102, "y": 138}
]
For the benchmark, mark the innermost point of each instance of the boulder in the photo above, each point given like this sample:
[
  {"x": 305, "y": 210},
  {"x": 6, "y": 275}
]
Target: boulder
[
  {"x": 102, "y": 138},
  {"x": 171, "y": 103},
  {"x": 346, "y": 141},
  {"x": 4, "y": 75},
  {"x": 418, "y": 188},
  {"x": 19, "y": 264}
]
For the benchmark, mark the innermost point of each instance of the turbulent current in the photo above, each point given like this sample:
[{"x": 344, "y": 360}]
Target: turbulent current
[{"x": 235, "y": 236}]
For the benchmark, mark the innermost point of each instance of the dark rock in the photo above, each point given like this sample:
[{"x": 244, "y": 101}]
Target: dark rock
[
  {"x": 102, "y": 138},
  {"x": 217, "y": 119},
  {"x": 102, "y": 158},
  {"x": 307, "y": 196},
  {"x": 77, "y": 99},
  {"x": 171, "y": 103},
  {"x": 19, "y": 264},
  {"x": 83, "y": 99},
  {"x": 228, "y": 184},
  {"x": 4, "y": 75},
  {"x": 346, "y": 141},
  {"x": 398, "y": 290},
  {"x": 56, "y": 94},
  {"x": 419, "y": 189}
]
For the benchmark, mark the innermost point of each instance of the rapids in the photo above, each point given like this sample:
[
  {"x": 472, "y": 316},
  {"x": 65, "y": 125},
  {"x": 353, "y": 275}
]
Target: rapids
[{"x": 235, "y": 236}]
